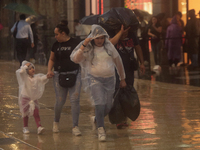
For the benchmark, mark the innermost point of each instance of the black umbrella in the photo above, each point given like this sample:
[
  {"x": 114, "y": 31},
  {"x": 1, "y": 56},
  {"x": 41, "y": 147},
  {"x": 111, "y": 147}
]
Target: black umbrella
[{"x": 90, "y": 20}]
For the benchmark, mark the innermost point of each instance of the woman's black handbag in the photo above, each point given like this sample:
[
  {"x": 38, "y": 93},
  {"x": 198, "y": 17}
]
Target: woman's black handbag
[{"x": 67, "y": 80}]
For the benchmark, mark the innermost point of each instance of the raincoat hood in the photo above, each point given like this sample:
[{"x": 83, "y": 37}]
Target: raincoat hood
[{"x": 97, "y": 31}]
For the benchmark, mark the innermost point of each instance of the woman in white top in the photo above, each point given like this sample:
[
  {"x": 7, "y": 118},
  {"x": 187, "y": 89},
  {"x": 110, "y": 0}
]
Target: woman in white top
[{"x": 98, "y": 59}]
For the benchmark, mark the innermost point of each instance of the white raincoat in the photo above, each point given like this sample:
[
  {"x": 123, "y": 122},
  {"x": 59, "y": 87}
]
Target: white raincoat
[
  {"x": 99, "y": 62},
  {"x": 30, "y": 89}
]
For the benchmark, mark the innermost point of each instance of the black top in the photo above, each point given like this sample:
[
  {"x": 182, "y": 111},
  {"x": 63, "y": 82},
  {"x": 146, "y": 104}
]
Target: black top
[
  {"x": 63, "y": 58},
  {"x": 126, "y": 48},
  {"x": 153, "y": 31}
]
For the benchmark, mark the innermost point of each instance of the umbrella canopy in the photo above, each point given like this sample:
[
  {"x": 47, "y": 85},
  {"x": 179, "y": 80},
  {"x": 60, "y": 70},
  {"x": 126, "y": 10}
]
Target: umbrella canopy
[
  {"x": 19, "y": 7},
  {"x": 147, "y": 16},
  {"x": 90, "y": 20}
]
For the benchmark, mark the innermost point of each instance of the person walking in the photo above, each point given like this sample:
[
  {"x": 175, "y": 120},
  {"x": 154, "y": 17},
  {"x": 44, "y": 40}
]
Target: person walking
[
  {"x": 192, "y": 30},
  {"x": 126, "y": 44},
  {"x": 60, "y": 61},
  {"x": 154, "y": 32},
  {"x": 22, "y": 37},
  {"x": 31, "y": 88},
  {"x": 173, "y": 42},
  {"x": 98, "y": 59}
]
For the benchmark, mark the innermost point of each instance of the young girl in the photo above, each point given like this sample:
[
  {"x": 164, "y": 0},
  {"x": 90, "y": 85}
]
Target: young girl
[
  {"x": 31, "y": 88},
  {"x": 98, "y": 59}
]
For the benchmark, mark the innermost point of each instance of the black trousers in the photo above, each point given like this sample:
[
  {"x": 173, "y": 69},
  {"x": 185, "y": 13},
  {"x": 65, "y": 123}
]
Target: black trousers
[{"x": 21, "y": 49}]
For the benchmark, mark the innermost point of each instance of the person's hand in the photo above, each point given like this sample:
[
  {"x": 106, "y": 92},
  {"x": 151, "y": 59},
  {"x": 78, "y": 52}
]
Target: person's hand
[
  {"x": 87, "y": 40},
  {"x": 32, "y": 45},
  {"x": 122, "y": 83},
  {"x": 142, "y": 69},
  {"x": 122, "y": 29},
  {"x": 27, "y": 64},
  {"x": 50, "y": 74}
]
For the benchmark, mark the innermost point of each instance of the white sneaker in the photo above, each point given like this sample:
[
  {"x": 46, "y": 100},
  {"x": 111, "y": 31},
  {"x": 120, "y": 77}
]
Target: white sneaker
[
  {"x": 101, "y": 134},
  {"x": 94, "y": 126},
  {"x": 40, "y": 130},
  {"x": 26, "y": 130},
  {"x": 55, "y": 127},
  {"x": 76, "y": 131}
]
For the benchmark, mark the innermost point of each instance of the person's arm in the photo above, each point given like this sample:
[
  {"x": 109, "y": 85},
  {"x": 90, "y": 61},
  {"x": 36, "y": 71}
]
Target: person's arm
[
  {"x": 31, "y": 36},
  {"x": 13, "y": 28},
  {"x": 78, "y": 55},
  {"x": 151, "y": 34},
  {"x": 120, "y": 70},
  {"x": 116, "y": 38},
  {"x": 138, "y": 51},
  {"x": 50, "y": 73},
  {"x": 158, "y": 29}
]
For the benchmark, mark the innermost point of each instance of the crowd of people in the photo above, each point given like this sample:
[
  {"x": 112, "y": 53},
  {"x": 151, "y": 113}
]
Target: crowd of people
[{"x": 100, "y": 64}]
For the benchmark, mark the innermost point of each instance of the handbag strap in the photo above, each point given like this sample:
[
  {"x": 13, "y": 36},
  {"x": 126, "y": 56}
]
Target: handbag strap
[
  {"x": 59, "y": 53},
  {"x": 16, "y": 24}
]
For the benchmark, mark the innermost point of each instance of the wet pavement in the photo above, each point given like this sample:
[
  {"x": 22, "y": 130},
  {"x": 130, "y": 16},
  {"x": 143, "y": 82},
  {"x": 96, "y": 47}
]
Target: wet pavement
[{"x": 169, "y": 118}]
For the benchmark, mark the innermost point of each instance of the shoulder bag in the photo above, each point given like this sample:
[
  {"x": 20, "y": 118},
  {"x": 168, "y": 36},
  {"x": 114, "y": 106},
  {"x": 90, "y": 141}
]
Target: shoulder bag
[{"x": 66, "y": 80}]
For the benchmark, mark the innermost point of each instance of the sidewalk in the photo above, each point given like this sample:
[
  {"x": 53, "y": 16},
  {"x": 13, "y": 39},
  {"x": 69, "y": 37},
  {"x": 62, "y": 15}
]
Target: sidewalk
[{"x": 169, "y": 119}]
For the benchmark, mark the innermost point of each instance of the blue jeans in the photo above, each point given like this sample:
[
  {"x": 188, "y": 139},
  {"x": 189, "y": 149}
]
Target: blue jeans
[
  {"x": 102, "y": 90},
  {"x": 156, "y": 47},
  {"x": 61, "y": 96}
]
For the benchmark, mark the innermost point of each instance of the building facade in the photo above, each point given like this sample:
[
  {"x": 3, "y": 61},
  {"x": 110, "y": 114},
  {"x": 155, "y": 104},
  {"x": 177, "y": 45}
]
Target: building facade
[{"x": 56, "y": 10}]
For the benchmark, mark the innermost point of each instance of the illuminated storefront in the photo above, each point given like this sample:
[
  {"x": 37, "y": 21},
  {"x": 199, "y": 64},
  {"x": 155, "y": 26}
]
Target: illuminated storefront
[{"x": 139, "y": 4}]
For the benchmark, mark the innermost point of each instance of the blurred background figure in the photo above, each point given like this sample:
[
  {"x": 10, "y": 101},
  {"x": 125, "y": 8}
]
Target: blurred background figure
[
  {"x": 173, "y": 42},
  {"x": 143, "y": 40},
  {"x": 154, "y": 32},
  {"x": 192, "y": 29}
]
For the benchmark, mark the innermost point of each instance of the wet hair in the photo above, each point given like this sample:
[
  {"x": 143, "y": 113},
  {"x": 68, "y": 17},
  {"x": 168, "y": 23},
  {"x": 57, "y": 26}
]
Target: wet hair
[
  {"x": 22, "y": 17},
  {"x": 93, "y": 44},
  {"x": 64, "y": 22},
  {"x": 63, "y": 28}
]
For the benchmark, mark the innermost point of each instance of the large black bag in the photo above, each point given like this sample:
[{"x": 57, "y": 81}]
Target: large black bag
[
  {"x": 116, "y": 115},
  {"x": 130, "y": 102},
  {"x": 115, "y": 17},
  {"x": 15, "y": 30}
]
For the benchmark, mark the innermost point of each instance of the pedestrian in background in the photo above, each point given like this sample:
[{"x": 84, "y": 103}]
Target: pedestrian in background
[
  {"x": 31, "y": 88},
  {"x": 127, "y": 43},
  {"x": 98, "y": 59},
  {"x": 173, "y": 43},
  {"x": 60, "y": 61},
  {"x": 154, "y": 32},
  {"x": 192, "y": 30},
  {"x": 24, "y": 31}
]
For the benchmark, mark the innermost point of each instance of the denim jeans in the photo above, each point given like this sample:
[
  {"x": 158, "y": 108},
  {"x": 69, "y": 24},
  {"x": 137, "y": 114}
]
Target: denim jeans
[
  {"x": 61, "y": 96},
  {"x": 156, "y": 47},
  {"x": 102, "y": 90}
]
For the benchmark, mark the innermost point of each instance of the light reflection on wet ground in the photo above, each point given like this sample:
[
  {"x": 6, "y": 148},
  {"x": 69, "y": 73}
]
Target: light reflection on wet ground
[{"x": 169, "y": 118}]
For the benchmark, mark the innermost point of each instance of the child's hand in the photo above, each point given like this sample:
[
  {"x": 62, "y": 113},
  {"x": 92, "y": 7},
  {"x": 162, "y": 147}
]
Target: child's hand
[{"x": 28, "y": 64}]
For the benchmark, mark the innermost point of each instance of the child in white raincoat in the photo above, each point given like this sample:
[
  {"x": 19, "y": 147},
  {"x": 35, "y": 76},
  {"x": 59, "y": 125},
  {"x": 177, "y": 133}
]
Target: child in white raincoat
[
  {"x": 98, "y": 59},
  {"x": 31, "y": 88}
]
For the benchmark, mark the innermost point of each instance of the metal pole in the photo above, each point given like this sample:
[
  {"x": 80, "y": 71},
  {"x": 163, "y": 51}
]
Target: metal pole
[{"x": 187, "y": 7}]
